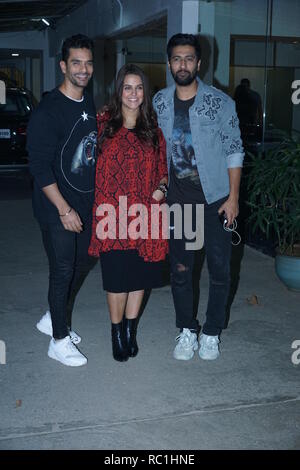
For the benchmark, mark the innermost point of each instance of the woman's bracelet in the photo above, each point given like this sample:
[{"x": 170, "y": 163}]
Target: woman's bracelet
[
  {"x": 163, "y": 188},
  {"x": 67, "y": 213}
]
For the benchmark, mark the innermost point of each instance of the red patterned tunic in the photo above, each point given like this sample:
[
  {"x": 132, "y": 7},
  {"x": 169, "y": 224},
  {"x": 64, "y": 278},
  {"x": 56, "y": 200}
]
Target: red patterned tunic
[{"x": 126, "y": 166}]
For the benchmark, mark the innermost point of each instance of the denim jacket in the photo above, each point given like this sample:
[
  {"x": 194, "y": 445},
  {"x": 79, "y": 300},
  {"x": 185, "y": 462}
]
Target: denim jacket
[{"x": 215, "y": 135}]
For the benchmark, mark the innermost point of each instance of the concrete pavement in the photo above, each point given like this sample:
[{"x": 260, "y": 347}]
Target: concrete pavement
[{"x": 247, "y": 399}]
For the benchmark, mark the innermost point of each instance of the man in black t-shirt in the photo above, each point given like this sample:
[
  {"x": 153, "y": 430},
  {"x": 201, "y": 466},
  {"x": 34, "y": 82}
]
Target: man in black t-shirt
[
  {"x": 184, "y": 181},
  {"x": 249, "y": 110},
  {"x": 62, "y": 137}
]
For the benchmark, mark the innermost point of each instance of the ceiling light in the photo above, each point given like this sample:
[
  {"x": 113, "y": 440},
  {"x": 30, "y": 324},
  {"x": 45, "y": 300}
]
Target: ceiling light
[
  {"x": 15, "y": 54},
  {"x": 45, "y": 21}
]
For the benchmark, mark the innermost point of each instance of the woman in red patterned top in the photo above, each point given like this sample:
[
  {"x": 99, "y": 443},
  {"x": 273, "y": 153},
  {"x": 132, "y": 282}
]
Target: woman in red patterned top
[{"x": 131, "y": 179}]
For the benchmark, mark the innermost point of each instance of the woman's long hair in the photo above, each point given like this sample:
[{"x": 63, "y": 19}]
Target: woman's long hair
[{"x": 146, "y": 123}]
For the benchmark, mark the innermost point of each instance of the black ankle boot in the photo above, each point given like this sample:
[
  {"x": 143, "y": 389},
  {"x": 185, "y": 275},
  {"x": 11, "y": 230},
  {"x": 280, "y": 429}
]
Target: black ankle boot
[
  {"x": 119, "y": 348},
  {"x": 130, "y": 326}
]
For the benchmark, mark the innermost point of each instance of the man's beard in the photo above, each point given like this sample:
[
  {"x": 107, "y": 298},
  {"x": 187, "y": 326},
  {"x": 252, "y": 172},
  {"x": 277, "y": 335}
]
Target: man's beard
[
  {"x": 187, "y": 80},
  {"x": 77, "y": 82}
]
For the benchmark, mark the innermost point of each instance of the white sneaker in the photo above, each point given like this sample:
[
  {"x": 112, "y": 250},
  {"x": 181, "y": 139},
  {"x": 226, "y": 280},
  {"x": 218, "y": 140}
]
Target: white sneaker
[
  {"x": 66, "y": 352},
  {"x": 45, "y": 326},
  {"x": 187, "y": 344},
  {"x": 209, "y": 347}
]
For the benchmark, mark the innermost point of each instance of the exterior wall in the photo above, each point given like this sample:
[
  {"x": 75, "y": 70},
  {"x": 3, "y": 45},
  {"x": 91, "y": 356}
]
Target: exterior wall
[
  {"x": 206, "y": 20},
  {"x": 103, "y": 18},
  {"x": 242, "y": 17},
  {"x": 218, "y": 20},
  {"x": 32, "y": 40},
  {"x": 24, "y": 40}
]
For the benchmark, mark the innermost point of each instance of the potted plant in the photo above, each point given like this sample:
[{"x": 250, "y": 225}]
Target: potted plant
[{"x": 273, "y": 185}]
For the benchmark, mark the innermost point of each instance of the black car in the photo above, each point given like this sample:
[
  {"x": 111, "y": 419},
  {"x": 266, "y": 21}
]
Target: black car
[{"x": 14, "y": 117}]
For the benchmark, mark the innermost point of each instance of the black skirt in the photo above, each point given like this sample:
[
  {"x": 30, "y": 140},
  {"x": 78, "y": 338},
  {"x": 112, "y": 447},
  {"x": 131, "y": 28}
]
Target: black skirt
[{"x": 126, "y": 271}]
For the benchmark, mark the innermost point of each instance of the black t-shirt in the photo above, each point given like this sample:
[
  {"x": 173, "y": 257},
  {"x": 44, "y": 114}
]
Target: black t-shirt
[
  {"x": 62, "y": 142},
  {"x": 184, "y": 182}
]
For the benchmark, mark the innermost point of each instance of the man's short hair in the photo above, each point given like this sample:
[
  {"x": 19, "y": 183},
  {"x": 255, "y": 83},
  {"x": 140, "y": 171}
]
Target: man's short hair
[
  {"x": 78, "y": 41},
  {"x": 181, "y": 39}
]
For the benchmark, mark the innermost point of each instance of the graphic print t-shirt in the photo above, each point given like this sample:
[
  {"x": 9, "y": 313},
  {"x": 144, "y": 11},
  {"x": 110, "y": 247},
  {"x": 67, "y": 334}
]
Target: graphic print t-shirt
[
  {"x": 185, "y": 185},
  {"x": 62, "y": 141}
]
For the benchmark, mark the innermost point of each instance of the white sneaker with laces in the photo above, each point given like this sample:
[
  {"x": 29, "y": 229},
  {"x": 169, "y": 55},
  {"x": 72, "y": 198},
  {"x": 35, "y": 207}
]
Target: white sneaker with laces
[
  {"x": 45, "y": 326},
  {"x": 66, "y": 352},
  {"x": 209, "y": 347},
  {"x": 186, "y": 346}
]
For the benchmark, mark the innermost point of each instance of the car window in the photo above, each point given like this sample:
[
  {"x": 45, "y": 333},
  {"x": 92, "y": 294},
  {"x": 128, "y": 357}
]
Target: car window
[{"x": 15, "y": 105}]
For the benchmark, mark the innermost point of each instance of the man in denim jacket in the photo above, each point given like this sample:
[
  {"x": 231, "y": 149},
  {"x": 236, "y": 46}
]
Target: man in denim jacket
[{"x": 205, "y": 156}]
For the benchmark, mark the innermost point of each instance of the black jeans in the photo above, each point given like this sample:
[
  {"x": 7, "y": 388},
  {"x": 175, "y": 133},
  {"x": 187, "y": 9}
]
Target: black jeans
[
  {"x": 217, "y": 244},
  {"x": 69, "y": 263}
]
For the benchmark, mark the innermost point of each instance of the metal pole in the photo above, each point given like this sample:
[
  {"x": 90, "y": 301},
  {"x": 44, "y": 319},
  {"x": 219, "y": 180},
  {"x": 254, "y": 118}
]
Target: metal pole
[{"x": 269, "y": 2}]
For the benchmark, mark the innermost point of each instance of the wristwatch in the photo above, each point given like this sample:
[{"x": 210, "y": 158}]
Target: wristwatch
[{"x": 163, "y": 188}]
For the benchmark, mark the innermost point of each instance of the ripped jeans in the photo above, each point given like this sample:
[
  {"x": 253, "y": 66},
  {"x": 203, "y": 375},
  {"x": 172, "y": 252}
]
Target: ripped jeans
[{"x": 217, "y": 243}]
